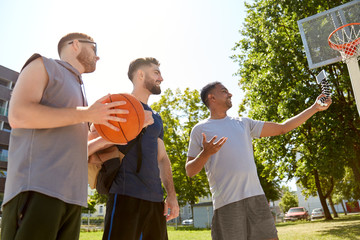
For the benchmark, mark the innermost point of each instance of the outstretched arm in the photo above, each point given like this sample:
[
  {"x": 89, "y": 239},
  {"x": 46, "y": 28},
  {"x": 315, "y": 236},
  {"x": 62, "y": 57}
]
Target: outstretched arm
[
  {"x": 167, "y": 179},
  {"x": 195, "y": 164},
  {"x": 273, "y": 129}
]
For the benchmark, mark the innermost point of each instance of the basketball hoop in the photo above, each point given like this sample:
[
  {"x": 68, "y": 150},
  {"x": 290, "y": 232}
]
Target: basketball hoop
[{"x": 346, "y": 40}]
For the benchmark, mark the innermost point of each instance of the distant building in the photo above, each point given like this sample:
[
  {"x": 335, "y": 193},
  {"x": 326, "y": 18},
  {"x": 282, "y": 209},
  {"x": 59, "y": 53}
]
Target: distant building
[
  {"x": 100, "y": 208},
  {"x": 314, "y": 202},
  {"x": 203, "y": 213},
  {"x": 8, "y": 78}
]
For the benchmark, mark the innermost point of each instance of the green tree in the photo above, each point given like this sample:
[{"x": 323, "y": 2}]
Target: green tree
[
  {"x": 99, "y": 198},
  {"x": 278, "y": 84},
  {"x": 288, "y": 200},
  {"x": 90, "y": 208},
  {"x": 180, "y": 111},
  {"x": 270, "y": 186}
]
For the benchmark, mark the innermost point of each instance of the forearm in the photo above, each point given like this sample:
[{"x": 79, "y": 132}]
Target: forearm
[
  {"x": 166, "y": 177},
  {"x": 34, "y": 115},
  {"x": 299, "y": 119},
  {"x": 97, "y": 144},
  {"x": 194, "y": 165},
  {"x": 274, "y": 129}
]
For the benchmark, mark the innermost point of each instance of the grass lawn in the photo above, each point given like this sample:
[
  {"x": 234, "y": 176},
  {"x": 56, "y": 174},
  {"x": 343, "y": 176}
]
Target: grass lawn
[{"x": 343, "y": 228}]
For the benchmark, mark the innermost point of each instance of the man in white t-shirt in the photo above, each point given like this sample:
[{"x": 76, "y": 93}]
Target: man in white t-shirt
[{"x": 241, "y": 208}]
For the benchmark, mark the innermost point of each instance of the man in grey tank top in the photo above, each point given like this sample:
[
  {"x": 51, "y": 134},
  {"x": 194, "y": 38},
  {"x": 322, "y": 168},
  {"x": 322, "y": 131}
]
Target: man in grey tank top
[
  {"x": 46, "y": 183},
  {"x": 241, "y": 209}
]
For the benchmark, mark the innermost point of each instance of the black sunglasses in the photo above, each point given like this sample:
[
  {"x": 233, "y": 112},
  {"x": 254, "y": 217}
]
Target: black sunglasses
[{"x": 87, "y": 41}]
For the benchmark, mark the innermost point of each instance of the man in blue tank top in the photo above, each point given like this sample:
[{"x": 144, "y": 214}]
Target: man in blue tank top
[
  {"x": 47, "y": 167},
  {"x": 136, "y": 208}
]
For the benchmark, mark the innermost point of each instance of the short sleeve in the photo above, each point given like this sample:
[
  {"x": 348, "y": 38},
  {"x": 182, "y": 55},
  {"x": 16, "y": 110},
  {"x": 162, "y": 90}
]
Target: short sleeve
[
  {"x": 161, "y": 135},
  {"x": 254, "y": 126},
  {"x": 195, "y": 143}
]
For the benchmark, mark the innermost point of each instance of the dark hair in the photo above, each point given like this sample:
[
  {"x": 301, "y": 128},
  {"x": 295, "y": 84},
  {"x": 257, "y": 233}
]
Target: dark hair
[
  {"x": 138, "y": 63},
  {"x": 72, "y": 36},
  {"x": 205, "y": 92}
]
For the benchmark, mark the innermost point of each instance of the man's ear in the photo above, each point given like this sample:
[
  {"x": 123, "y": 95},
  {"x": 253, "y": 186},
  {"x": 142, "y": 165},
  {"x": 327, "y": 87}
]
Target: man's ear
[
  {"x": 75, "y": 45},
  {"x": 211, "y": 98},
  {"x": 140, "y": 74}
]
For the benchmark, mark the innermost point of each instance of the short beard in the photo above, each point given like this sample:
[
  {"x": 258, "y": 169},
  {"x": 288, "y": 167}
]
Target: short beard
[
  {"x": 156, "y": 90},
  {"x": 88, "y": 63}
]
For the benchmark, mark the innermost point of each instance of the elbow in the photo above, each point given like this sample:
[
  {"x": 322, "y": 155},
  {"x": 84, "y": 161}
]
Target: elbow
[
  {"x": 17, "y": 119},
  {"x": 14, "y": 122},
  {"x": 189, "y": 172}
]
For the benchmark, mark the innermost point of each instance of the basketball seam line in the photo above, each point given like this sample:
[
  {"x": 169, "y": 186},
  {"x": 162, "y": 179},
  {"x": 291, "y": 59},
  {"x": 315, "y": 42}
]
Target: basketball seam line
[
  {"x": 118, "y": 123},
  {"x": 137, "y": 114}
]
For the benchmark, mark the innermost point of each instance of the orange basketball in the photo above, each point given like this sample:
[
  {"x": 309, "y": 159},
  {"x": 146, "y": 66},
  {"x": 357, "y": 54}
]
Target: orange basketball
[{"x": 134, "y": 120}]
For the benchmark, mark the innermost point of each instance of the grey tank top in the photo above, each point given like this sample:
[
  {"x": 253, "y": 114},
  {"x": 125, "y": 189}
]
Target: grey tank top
[{"x": 52, "y": 161}]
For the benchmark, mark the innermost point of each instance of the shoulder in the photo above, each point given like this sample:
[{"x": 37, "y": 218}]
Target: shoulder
[
  {"x": 34, "y": 68},
  {"x": 198, "y": 128},
  {"x": 244, "y": 120},
  {"x": 201, "y": 124}
]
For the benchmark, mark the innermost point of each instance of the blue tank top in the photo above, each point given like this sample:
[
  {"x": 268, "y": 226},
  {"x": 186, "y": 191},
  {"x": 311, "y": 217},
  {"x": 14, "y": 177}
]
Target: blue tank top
[{"x": 146, "y": 184}]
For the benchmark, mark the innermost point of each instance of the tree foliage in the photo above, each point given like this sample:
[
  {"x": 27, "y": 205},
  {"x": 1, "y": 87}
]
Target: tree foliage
[
  {"x": 288, "y": 200},
  {"x": 278, "y": 84},
  {"x": 180, "y": 111},
  {"x": 91, "y": 206},
  {"x": 99, "y": 198}
]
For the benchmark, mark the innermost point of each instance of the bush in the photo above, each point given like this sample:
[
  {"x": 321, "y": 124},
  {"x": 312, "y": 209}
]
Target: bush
[{"x": 93, "y": 220}]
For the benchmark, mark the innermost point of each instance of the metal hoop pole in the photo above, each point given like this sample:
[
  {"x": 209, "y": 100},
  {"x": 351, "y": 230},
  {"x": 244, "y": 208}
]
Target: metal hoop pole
[{"x": 354, "y": 72}]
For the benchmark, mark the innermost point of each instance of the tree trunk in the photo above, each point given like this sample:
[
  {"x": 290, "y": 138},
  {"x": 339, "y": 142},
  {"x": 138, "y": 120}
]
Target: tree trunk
[
  {"x": 342, "y": 204},
  {"x": 355, "y": 168},
  {"x": 321, "y": 196},
  {"x": 192, "y": 211},
  {"x": 333, "y": 207}
]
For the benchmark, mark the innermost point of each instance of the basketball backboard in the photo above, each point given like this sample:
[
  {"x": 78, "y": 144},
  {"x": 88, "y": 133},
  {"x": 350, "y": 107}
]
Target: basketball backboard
[{"x": 315, "y": 31}]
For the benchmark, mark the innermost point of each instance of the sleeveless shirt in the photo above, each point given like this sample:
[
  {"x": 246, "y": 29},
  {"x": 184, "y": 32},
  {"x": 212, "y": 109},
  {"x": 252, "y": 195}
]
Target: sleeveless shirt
[
  {"x": 52, "y": 161},
  {"x": 146, "y": 184}
]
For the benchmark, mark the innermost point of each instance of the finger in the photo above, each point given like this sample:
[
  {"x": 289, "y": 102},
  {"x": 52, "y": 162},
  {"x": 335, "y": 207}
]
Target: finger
[
  {"x": 101, "y": 100},
  {"x": 116, "y": 119},
  {"x": 222, "y": 141},
  {"x": 111, "y": 126},
  {"x": 328, "y": 100},
  {"x": 166, "y": 208},
  {"x": 174, "y": 213},
  {"x": 118, "y": 111},
  {"x": 115, "y": 104},
  {"x": 203, "y": 137},
  {"x": 213, "y": 139},
  {"x": 170, "y": 216}
]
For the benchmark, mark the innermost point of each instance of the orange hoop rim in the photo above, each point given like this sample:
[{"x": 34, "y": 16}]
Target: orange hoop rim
[{"x": 342, "y": 46}]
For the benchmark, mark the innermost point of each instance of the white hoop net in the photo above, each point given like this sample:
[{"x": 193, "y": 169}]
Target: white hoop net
[{"x": 346, "y": 40}]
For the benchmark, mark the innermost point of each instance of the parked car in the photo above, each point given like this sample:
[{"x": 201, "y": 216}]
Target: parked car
[
  {"x": 188, "y": 222},
  {"x": 317, "y": 213},
  {"x": 296, "y": 213}
]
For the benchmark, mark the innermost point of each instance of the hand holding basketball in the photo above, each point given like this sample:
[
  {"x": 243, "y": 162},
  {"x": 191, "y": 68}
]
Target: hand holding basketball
[
  {"x": 130, "y": 112},
  {"x": 101, "y": 113}
]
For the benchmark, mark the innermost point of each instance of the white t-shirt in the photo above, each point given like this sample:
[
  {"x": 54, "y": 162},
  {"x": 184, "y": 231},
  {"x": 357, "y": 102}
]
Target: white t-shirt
[{"x": 231, "y": 171}]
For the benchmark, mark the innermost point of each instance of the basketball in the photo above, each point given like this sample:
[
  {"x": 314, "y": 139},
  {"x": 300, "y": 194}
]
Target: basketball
[{"x": 134, "y": 120}]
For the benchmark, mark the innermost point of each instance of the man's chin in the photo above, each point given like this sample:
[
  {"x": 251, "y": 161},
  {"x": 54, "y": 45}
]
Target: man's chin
[{"x": 156, "y": 91}]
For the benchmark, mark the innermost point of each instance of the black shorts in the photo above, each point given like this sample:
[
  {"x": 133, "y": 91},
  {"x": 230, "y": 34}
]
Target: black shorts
[
  {"x": 129, "y": 218},
  {"x": 35, "y": 216}
]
